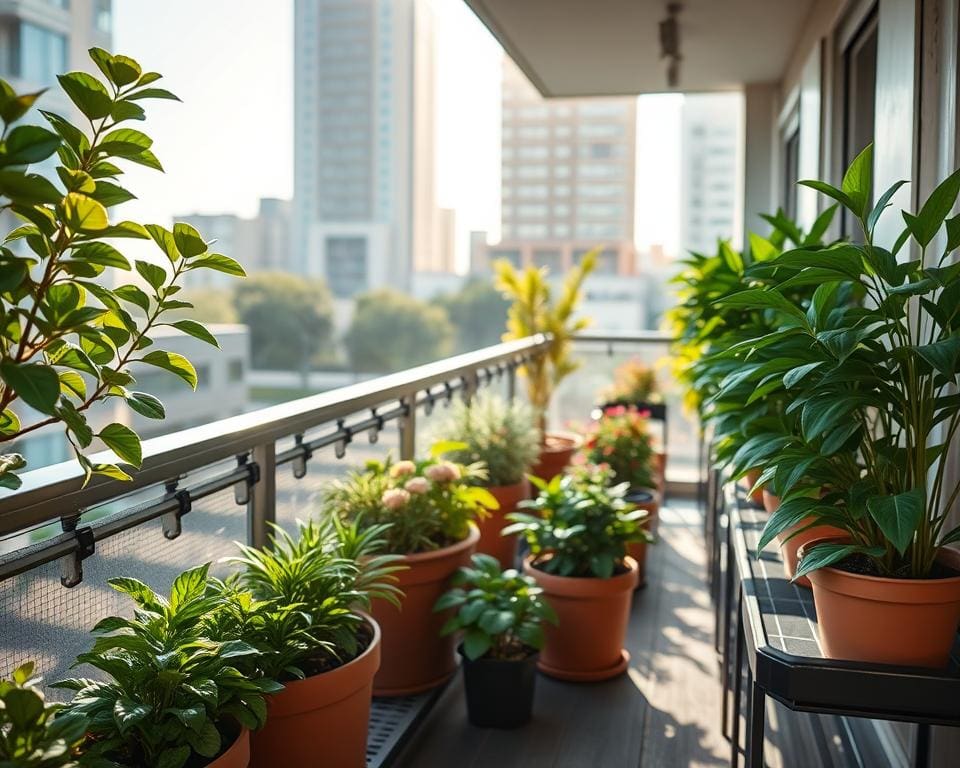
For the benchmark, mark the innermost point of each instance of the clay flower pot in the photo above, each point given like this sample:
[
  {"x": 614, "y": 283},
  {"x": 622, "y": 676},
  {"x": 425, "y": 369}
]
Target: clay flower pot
[
  {"x": 908, "y": 622},
  {"x": 648, "y": 499},
  {"x": 414, "y": 658},
  {"x": 771, "y": 503},
  {"x": 660, "y": 472},
  {"x": 789, "y": 548},
  {"x": 587, "y": 644},
  {"x": 330, "y": 709},
  {"x": 504, "y": 548},
  {"x": 499, "y": 692},
  {"x": 750, "y": 480},
  {"x": 555, "y": 454},
  {"x": 237, "y": 755}
]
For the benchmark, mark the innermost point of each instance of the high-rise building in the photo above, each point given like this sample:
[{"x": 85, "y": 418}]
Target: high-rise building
[
  {"x": 710, "y": 129},
  {"x": 568, "y": 175},
  {"x": 260, "y": 244},
  {"x": 364, "y": 122}
]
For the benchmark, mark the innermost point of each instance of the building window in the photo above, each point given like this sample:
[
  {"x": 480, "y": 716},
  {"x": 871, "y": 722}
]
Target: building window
[
  {"x": 532, "y": 211},
  {"x": 203, "y": 375},
  {"x": 533, "y": 152},
  {"x": 346, "y": 265},
  {"x": 549, "y": 258},
  {"x": 532, "y": 171},
  {"x": 510, "y": 254},
  {"x": 859, "y": 97},
  {"x": 235, "y": 370},
  {"x": 561, "y": 230},
  {"x": 102, "y": 16},
  {"x": 535, "y": 231},
  {"x": 43, "y": 54},
  {"x": 600, "y": 171},
  {"x": 602, "y": 109},
  {"x": 533, "y": 132},
  {"x": 600, "y": 131},
  {"x": 562, "y": 151},
  {"x": 791, "y": 172},
  {"x": 535, "y": 191}
]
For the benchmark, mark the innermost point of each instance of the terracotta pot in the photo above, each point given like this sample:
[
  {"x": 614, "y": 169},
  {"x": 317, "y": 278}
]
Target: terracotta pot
[
  {"x": 660, "y": 472},
  {"x": 237, "y": 755},
  {"x": 555, "y": 454},
  {"x": 588, "y": 643},
  {"x": 907, "y": 622},
  {"x": 332, "y": 708},
  {"x": 414, "y": 658},
  {"x": 771, "y": 503},
  {"x": 750, "y": 480},
  {"x": 648, "y": 499},
  {"x": 789, "y": 549},
  {"x": 504, "y": 548}
]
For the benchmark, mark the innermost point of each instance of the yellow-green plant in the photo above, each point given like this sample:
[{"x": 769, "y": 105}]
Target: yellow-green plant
[{"x": 533, "y": 311}]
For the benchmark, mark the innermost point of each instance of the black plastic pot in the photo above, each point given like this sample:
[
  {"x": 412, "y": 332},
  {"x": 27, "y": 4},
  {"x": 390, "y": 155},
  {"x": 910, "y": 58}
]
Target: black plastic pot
[
  {"x": 499, "y": 693},
  {"x": 639, "y": 496}
]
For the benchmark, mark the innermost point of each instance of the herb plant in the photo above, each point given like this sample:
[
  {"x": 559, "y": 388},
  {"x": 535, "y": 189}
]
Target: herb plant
[
  {"x": 620, "y": 439},
  {"x": 579, "y": 525},
  {"x": 171, "y": 693},
  {"x": 32, "y": 735},
  {"x": 68, "y": 338},
  {"x": 426, "y": 504},
  {"x": 502, "y": 435},
  {"x": 296, "y": 601},
  {"x": 499, "y": 612}
]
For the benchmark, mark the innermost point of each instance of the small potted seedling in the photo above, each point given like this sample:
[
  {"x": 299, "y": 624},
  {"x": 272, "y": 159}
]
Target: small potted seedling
[{"x": 500, "y": 614}]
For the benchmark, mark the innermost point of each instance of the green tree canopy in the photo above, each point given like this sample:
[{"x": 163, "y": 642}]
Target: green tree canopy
[
  {"x": 290, "y": 319},
  {"x": 391, "y": 331},
  {"x": 211, "y": 305},
  {"x": 478, "y": 313}
]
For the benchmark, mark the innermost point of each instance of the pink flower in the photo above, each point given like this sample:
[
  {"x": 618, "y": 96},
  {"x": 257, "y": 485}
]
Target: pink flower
[
  {"x": 417, "y": 485},
  {"x": 395, "y": 498},
  {"x": 402, "y": 469},
  {"x": 444, "y": 472}
]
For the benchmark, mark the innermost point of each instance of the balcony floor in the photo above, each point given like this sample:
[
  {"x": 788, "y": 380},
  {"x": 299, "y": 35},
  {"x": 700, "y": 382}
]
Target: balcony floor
[{"x": 664, "y": 712}]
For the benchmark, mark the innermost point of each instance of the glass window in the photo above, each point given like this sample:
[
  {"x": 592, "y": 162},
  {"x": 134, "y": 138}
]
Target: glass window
[
  {"x": 561, "y": 171},
  {"x": 235, "y": 370},
  {"x": 43, "y": 54},
  {"x": 535, "y": 112},
  {"x": 549, "y": 258},
  {"x": 589, "y": 229},
  {"x": 600, "y": 171},
  {"x": 601, "y": 210},
  {"x": 532, "y": 210},
  {"x": 601, "y": 150},
  {"x": 561, "y": 230},
  {"x": 600, "y": 130},
  {"x": 562, "y": 151},
  {"x": 532, "y": 230},
  {"x": 533, "y": 191},
  {"x": 510, "y": 254},
  {"x": 346, "y": 265},
  {"x": 561, "y": 210},
  {"x": 603, "y": 108},
  {"x": 532, "y": 171},
  {"x": 562, "y": 131},
  {"x": 533, "y": 132},
  {"x": 533, "y": 152},
  {"x": 599, "y": 190}
]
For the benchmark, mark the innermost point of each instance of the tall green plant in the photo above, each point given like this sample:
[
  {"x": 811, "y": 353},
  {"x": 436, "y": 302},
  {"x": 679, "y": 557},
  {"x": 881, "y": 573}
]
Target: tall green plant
[{"x": 67, "y": 338}]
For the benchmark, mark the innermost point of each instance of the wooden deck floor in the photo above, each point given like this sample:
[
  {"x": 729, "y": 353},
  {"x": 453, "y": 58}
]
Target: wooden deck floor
[{"x": 665, "y": 712}]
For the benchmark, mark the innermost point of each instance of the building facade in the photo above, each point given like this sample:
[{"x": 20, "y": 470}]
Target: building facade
[{"x": 364, "y": 123}]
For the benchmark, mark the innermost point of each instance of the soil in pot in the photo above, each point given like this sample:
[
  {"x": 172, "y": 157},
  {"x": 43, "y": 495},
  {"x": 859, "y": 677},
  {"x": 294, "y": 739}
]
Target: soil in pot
[
  {"x": 504, "y": 548},
  {"x": 907, "y": 622},
  {"x": 499, "y": 692},
  {"x": 789, "y": 548},
  {"x": 648, "y": 499},
  {"x": 587, "y": 644},
  {"x": 555, "y": 454},
  {"x": 414, "y": 658},
  {"x": 331, "y": 709}
]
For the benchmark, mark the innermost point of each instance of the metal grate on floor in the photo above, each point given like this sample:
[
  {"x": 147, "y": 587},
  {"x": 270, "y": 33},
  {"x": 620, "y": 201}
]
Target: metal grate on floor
[{"x": 392, "y": 723}]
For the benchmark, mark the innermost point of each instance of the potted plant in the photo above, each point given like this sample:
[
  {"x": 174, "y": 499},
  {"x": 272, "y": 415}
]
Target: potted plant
[
  {"x": 73, "y": 325},
  {"x": 32, "y": 734},
  {"x": 171, "y": 695},
  {"x": 299, "y": 602},
  {"x": 504, "y": 437},
  {"x": 533, "y": 311},
  {"x": 499, "y": 614},
  {"x": 430, "y": 507},
  {"x": 876, "y": 382},
  {"x": 578, "y": 529}
]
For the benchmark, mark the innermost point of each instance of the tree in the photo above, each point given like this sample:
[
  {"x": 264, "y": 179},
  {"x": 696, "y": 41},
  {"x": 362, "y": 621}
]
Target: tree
[
  {"x": 290, "y": 319},
  {"x": 211, "y": 305},
  {"x": 478, "y": 313},
  {"x": 391, "y": 331}
]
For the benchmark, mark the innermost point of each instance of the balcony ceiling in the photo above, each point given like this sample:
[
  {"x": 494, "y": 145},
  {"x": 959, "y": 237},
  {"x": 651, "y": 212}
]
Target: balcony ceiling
[{"x": 612, "y": 47}]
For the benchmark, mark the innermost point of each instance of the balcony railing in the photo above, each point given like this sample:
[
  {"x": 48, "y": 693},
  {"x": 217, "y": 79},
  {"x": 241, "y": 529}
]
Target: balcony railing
[{"x": 201, "y": 489}]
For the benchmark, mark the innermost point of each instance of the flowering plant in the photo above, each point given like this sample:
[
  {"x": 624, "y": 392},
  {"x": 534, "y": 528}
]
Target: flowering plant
[
  {"x": 621, "y": 440},
  {"x": 426, "y": 504},
  {"x": 634, "y": 382}
]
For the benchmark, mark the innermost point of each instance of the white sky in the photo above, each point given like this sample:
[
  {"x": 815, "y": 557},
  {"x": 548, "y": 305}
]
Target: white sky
[{"x": 231, "y": 141}]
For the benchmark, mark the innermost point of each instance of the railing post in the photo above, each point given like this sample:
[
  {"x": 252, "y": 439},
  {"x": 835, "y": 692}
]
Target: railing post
[
  {"x": 511, "y": 382},
  {"x": 408, "y": 428},
  {"x": 262, "y": 507}
]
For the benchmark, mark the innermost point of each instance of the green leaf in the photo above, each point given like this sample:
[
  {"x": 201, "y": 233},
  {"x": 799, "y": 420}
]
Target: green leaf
[
  {"x": 73, "y": 136},
  {"x": 35, "y": 384},
  {"x": 146, "y": 405},
  {"x": 154, "y": 93},
  {"x": 123, "y": 441},
  {"x": 207, "y": 742},
  {"x": 13, "y": 107},
  {"x": 134, "y": 295},
  {"x": 796, "y": 375},
  {"x": 154, "y": 275},
  {"x": 128, "y": 229},
  {"x": 442, "y": 447},
  {"x": 882, "y": 204},
  {"x": 476, "y": 643},
  {"x": 188, "y": 586},
  {"x": 164, "y": 238},
  {"x": 756, "y": 298},
  {"x": 109, "y": 194},
  {"x": 145, "y": 158},
  {"x": 830, "y": 191},
  {"x": 88, "y": 93},
  {"x": 128, "y": 712},
  {"x": 495, "y": 622},
  {"x": 944, "y": 355},
  {"x": 925, "y": 225},
  {"x": 857, "y": 182},
  {"x": 83, "y": 213},
  {"x": 195, "y": 329},
  {"x": 188, "y": 240},
  {"x": 28, "y": 144},
  {"x": 10, "y": 463},
  {"x": 174, "y": 757},
  {"x": 126, "y": 142},
  {"x": 72, "y": 382},
  {"x": 173, "y": 362},
  {"x": 823, "y": 555},
  {"x": 220, "y": 263},
  {"x": 898, "y": 516},
  {"x": 100, "y": 253},
  {"x": 29, "y": 188}
]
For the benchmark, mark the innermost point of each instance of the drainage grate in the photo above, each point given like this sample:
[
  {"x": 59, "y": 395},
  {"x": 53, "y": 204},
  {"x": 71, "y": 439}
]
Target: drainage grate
[{"x": 392, "y": 722}]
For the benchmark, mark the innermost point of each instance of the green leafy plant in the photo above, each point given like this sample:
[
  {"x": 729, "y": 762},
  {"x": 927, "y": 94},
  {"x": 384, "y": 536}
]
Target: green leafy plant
[
  {"x": 499, "y": 612},
  {"x": 579, "y": 525},
  {"x": 533, "y": 311},
  {"x": 171, "y": 693},
  {"x": 296, "y": 601},
  {"x": 502, "y": 435},
  {"x": 634, "y": 383},
  {"x": 67, "y": 339},
  {"x": 620, "y": 439},
  {"x": 31, "y": 733},
  {"x": 426, "y": 504},
  {"x": 875, "y": 382}
]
